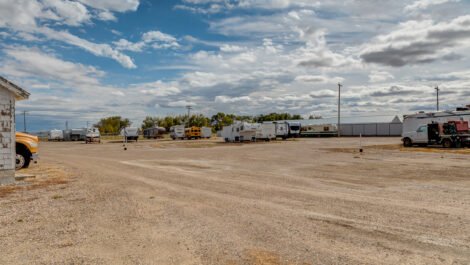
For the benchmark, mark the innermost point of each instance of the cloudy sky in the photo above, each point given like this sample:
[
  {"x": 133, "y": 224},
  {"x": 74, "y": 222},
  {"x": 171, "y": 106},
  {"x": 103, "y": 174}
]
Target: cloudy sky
[{"x": 83, "y": 59}]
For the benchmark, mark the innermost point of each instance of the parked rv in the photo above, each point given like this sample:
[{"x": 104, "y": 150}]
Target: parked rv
[
  {"x": 193, "y": 132},
  {"x": 294, "y": 129},
  {"x": 55, "y": 135},
  {"x": 240, "y": 132},
  {"x": 412, "y": 122},
  {"x": 448, "y": 134},
  {"x": 130, "y": 133},
  {"x": 93, "y": 136},
  {"x": 319, "y": 130},
  {"x": 206, "y": 132},
  {"x": 154, "y": 132},
  {"x": 266, "y": 131},
  {"x": 78, "y": 134},
  {"x": 282, "y": 129},
  {"x": 177, "y": 132}
]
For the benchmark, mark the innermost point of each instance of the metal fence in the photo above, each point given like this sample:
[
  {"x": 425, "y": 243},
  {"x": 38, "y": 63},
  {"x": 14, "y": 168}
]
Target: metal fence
[{"x": 372, "y": 129}]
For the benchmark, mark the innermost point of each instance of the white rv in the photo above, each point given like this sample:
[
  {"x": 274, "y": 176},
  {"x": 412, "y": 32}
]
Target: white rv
[
  {"x": 412, "y": 122},
  {"x": 319, "y": 130},
  {"x": 177, "y": 132},
  {"x": 206, "y": 132},
  {"x": 282, "y": 129},
  {"x": 266, "y": 131},
  {"x": 55, "y": 135},
  {"x": 93, "y": 135},
  {"x": 240, "y": 132},
  {"x": 130, "y": 133},
  {"x": 294, "y": 129}
]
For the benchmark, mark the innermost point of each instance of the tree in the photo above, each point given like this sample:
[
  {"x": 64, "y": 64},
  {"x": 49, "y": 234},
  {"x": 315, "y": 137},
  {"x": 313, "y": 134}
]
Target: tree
[
  {"x": 112, "y": 125},
  {"x": 149, "y": 122}
]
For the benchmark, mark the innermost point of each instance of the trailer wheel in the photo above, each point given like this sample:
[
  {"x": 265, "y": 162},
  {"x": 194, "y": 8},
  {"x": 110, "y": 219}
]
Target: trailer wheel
[
  {"x": 407, "y": 142},
  {"x": 447, "y": 143}
]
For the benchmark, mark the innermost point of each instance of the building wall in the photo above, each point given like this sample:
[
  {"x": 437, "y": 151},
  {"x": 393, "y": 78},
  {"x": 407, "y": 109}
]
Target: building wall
[
  {"x": 372, "y": 129},
  {"x": 7, "y": 136}
]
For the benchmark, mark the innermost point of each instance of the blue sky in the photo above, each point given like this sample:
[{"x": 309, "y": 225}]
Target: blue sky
[{"x": 83, "y": 60}]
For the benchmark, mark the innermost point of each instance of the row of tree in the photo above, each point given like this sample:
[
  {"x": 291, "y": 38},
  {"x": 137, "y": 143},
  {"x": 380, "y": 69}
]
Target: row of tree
[{"x": 112, "y": 125}]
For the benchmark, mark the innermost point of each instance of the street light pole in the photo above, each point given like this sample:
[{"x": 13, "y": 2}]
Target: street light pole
[
  {"x": 437, "y": 97},
  {"x": 339, "y": 109}
]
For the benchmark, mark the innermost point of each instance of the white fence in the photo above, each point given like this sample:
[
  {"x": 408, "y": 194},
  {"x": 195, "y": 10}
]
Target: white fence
[{"x": 371, "y": 129}]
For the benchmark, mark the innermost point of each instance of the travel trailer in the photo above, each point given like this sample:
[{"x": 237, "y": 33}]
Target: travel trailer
[
  {"x": 55, "y": 135},
  {"x": 154, "y": 132},
  {"x": 177, "y": 132},
  {"x": 93, "y": 136},
  {"x": 319, "y": 130},
  {"x": 266, "y": 131},
  {"x": 130, "y": 133},
  {"x": 294, "y": 129},
  {"x": 206, "y": 132},
  {"x": 240, "y": 132}
]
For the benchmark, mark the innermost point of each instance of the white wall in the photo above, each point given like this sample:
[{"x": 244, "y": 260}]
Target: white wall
[{"x": 7, "y": 135}]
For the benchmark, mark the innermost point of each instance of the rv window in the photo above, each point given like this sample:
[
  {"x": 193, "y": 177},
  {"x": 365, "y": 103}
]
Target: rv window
[{"x": 422, "y": 128}]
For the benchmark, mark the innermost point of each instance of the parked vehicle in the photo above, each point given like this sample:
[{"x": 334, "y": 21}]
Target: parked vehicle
[
  {"x": 448, "y": 134},
  {"x": 130, "y": 133},
  {"x": 78, "y": 134},
  {"x": 55, "y": 135},
  {"x": 282, "y": 129},
  {"x": 177, "y": 132},
  {"x": 206, "y": 132},
  {"x": 192, "y": 132},
  {"x": 319, "y": 130},
  {"x": 27, "y": 150},
  {"x": 93, "y": 136},
  {"x": 240, "y": 132},
  {"x": 266, "y": 131},
  {"x": 412, "y": 122},
  {"x": 154, "y": 133},
  {"x": 294, "y": 129}
]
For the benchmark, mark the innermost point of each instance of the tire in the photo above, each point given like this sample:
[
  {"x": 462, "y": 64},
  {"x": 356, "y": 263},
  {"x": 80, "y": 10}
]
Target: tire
[
  {"x": 407, "y": 142},
  {"x": 23, "y": 158},
  {"x": 447, "y": 143}
]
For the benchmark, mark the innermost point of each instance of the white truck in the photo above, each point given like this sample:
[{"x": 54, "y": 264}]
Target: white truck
[
  {"x": 55, "y": 135},
  {"x": 93, "y": 136},
  {"x": 177, "y": 132},
  {"x": 206, "y": 132},
  {"x": 448, "y": 134},
  {"x": 130, "y": 133}
]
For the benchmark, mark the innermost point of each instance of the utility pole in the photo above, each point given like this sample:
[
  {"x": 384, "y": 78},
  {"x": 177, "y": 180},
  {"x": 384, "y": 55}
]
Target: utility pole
[
  {"x": 437, "y": 97},
  {"x": 189, "y": 112},
  {"x": 24, "y": 120},
  {"x": 87, "y": 122},
  {"x": 339, "y": 109}
]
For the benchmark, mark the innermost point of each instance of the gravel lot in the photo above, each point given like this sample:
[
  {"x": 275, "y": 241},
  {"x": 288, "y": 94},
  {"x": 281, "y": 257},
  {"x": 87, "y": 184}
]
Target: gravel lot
[{"x": 306, "y": 201}]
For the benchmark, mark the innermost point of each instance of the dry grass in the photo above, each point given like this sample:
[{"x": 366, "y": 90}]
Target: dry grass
[{"x": 46, "y": 175}]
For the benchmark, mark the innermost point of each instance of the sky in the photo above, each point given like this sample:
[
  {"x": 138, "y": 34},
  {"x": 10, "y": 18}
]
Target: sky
[{"x": 82, "y": 60}]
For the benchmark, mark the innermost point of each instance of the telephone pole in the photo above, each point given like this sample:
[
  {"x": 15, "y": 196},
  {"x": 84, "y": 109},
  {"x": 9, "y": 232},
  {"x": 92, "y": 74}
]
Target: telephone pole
[
  {"x": 437, "y": 97},
  {"x": 339, "y": 109},
  {"x": 24, "y": 120},
  {"x": 189, "y": 112}
]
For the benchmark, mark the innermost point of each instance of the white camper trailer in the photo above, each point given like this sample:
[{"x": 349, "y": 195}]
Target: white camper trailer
[
  {"x": 55, "y": 135},
  {"x": 177, "y": 132},
  {"x": 206, "y": 132},
  {"x": 266, "y": 131},
  {"x": 412, "y": 122},
  {"x": 93, "y": 136},
  {"x": 319, "y": 130},
  {"x": 294, "y": 129},
  {"x": 240, "y": 132},
  {"x": 130, "y": 133},
  {"x": 282, "y": 129}
]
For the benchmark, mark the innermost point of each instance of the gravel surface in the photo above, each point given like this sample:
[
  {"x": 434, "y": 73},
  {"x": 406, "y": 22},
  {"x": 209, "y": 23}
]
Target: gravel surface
[{"x": 306, "y": 201}]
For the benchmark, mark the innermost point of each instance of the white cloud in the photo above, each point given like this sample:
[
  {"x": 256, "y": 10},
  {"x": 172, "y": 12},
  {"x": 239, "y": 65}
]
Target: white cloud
[
  {"x": 379, "y": 76},
  {"x": 154, "y": 39},
  {"x": 113, "y": 5},
  {"x": 424, "y": 4}
]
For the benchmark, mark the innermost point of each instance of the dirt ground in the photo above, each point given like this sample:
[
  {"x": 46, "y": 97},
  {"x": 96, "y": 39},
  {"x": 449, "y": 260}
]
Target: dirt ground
[{"x": 306, "y": 201}]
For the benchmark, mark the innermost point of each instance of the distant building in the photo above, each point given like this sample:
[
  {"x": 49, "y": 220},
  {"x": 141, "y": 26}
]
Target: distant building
[{"x": 9, "y": 94}]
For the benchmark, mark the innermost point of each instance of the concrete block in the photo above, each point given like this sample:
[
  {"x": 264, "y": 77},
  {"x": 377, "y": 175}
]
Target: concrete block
[{"x": 7, "y": 177}]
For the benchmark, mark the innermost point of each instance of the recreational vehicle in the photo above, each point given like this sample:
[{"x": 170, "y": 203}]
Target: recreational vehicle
[
  {"x": 266, "y": 131},
  {"x": 130, "y": 133},
  {"x": 294, "y": 129},
  {"x": 78, "y": 134},
  {"x": 412, "y": 122},
  {"x": 55, "y": 135},
  {"x": 206, "y": 132},
  {"x": 177, "y": 132},
  {"x": 154, "y": 132},
  {"x": 239, "y": 132},
  {"x": 93, "y": 136},
  {"x": 282, "y": 129},
  {"x": 319, "y": 130}
]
